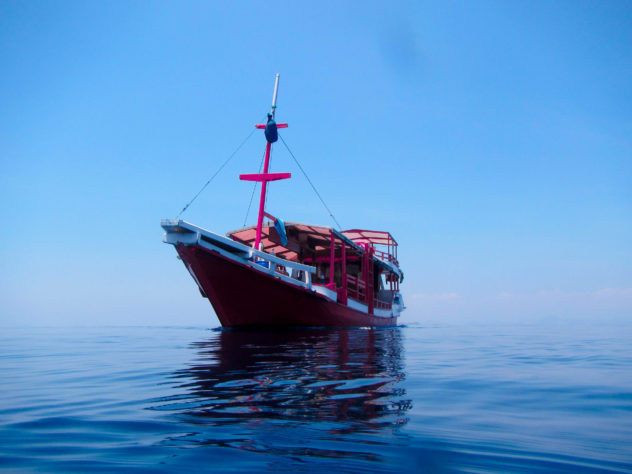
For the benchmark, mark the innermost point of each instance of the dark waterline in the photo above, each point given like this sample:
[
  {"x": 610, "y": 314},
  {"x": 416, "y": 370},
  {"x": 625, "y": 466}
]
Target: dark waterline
[{"x": 411, "y": 399}]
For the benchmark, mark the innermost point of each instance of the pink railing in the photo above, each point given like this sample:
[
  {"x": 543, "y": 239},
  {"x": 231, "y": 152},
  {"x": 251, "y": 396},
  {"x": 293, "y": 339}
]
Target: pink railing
[
  {"x": 387, "y": 257},
  {"x": 382, "y": 304},
  {"x": 356, "y": 288}
]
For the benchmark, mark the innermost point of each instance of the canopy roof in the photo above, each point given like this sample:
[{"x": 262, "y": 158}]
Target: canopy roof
[
  {"x": 300, "y": 236},
  {"x": 306, "y": 240},
  {"x": 376, "y": 237}
]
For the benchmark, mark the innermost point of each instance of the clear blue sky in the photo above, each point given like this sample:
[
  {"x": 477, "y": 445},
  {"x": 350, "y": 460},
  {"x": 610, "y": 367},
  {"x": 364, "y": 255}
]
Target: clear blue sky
[{"x": 492, "y": 138}]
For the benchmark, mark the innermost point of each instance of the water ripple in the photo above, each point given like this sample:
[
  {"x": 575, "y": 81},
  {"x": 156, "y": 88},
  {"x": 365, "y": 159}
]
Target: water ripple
[{"x": 355, "y": 400}]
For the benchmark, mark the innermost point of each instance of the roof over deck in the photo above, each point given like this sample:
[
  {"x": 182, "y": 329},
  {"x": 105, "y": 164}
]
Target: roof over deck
[
  {"x": 376, "y": 237},
  {"x": 306, "y": 239},
  {"x": 300, "y": 237}
]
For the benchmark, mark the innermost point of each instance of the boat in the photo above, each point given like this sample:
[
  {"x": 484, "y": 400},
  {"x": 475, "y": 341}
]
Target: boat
[{"x": 291, "y": 274}]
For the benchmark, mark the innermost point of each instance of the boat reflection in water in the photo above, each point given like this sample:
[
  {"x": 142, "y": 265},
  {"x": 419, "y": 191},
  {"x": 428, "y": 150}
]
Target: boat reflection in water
[{"x": 317, "y": 392}]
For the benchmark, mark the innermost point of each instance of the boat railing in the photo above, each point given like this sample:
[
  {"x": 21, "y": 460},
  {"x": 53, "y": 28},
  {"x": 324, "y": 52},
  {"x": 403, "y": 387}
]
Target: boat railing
[
  {"x": 178, "y": 231},
  {"x": 386, "y": 256},
  {"x": 292, "y": 272},
  {"x": 356, "y": 288},
  {"x": 381, "y": 304},
  {"x": 384, "y": 299}
]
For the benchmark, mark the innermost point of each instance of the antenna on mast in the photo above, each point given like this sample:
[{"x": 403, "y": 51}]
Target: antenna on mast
[
  {"x": 271, "y": 132},
  {"x": 274, "y": 96}
]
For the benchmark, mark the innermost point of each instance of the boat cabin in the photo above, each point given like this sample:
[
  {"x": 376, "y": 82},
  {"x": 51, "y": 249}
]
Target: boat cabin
[{"x": 356, "y": 267}]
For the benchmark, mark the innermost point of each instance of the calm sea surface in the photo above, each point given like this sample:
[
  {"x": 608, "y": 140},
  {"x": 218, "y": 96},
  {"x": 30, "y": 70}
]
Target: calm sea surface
[{"x": 407, "y": 399}]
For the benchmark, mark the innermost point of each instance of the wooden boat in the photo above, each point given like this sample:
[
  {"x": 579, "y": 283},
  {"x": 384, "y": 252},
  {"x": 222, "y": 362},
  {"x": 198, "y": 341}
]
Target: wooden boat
[{"x": 291, "y": 274}]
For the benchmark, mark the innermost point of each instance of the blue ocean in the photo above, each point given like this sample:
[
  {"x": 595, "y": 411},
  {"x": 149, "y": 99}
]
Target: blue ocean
[{"x": 440, "y": 398}]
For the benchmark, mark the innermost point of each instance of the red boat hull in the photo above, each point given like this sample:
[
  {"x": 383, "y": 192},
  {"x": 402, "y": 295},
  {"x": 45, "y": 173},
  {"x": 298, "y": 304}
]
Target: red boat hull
[{"x": 243, "y": 296}]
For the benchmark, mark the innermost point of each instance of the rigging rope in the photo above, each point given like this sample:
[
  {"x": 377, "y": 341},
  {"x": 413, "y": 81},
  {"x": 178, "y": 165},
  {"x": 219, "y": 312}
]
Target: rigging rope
[
  {"x": 311, "y": 184},
  {"x": 217, "y": 172}
]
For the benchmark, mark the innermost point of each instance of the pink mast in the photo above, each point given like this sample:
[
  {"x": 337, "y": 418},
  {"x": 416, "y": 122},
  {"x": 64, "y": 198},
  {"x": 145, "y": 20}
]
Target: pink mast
[{"x": 272, "y": 136}]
